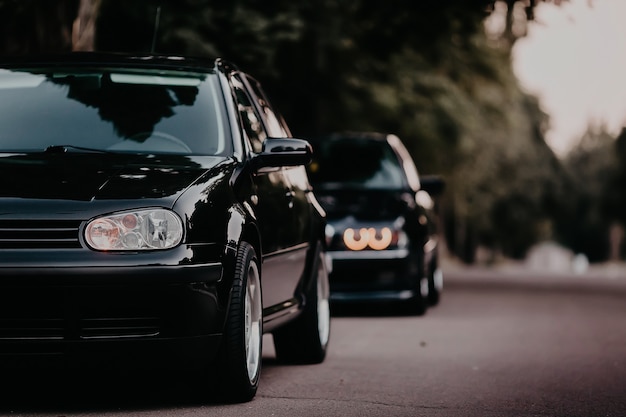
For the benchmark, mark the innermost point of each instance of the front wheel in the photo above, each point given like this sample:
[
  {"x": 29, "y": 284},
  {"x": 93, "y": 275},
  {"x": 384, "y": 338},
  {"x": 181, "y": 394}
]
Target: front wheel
[
  {"x": 305, "y": 340},
  {"x": 239, "y": 361}
]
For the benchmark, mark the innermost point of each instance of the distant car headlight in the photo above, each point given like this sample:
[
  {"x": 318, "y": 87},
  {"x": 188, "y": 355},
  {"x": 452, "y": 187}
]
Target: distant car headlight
[
  {"x": 372, "y": 238},
  {"x": 148, "y": 229},
  {"x": 351, "y": 235}
]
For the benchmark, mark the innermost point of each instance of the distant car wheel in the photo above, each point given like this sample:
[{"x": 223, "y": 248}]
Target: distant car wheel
[
  {"x": 305, "y": 340},
  {"x": 239, "y": 361},
  {"x": 418, "y": 304},
  {"x": 435, "y": 283}
]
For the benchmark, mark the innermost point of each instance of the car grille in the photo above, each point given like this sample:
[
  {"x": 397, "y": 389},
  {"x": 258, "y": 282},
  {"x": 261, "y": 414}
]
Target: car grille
[
  {"x": 39, "y": 234},
  {"x": 19, "y": 329},
  {"x": 118, "y": 327},
  {"x": 59, "y": 329},
  {"x": 58, "y": 313}
]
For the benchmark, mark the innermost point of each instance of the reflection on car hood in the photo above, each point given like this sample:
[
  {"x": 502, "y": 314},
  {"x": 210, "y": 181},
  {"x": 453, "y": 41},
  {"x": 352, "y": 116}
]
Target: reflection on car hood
[
  {"x": 97, "y": 176},
  {"x": 363, "y": 204}
]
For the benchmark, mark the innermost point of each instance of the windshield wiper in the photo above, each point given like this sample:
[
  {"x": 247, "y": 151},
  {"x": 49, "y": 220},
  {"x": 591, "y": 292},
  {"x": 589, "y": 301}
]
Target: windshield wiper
[{"x": 65, "y": 148}]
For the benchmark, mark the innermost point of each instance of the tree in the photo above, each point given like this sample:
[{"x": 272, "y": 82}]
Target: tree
[
  {"x": 32, "y": 26},
  {"x": 424, "y": 70},
  {"x": 84, "y": 26},
  {"x": 593, "y": 169}
]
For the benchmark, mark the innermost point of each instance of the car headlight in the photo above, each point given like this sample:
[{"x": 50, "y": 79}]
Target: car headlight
[
  {"x": 148, "y": 229},
  {"x": 372, "y": 238}
]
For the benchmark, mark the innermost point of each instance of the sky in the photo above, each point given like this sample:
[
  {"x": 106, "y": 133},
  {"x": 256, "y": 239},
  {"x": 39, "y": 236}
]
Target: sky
[{"x": 574, "y": 60}]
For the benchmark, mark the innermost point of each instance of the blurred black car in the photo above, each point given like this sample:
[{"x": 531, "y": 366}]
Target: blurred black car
[
  {"x": 155, "y": 211},
  {"x": 381, "y": 220}
]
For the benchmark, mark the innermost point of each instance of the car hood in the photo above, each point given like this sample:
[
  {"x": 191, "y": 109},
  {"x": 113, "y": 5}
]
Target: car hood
[
  {"x": 85, "y": 177},
  {"x": 364, "y": 204}
]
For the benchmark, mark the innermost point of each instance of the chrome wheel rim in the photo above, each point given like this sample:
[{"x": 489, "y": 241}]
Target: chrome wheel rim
[
  {"x": 438, "y": 278},
  {"x": 252, "y": 325},
  {"x": 424, "y": 290},
  {"x": 323, "y": 305}
]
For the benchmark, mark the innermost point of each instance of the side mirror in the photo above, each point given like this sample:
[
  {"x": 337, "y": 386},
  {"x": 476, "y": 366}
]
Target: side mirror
[
  {"x": 432, "y": 184},
  {"x": 283, "y": 152}
]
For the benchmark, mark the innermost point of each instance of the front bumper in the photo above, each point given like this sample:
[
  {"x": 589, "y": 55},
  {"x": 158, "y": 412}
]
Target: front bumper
[
  {"x": 376, "y": 276},
  {"x": 117, "y": 308}
]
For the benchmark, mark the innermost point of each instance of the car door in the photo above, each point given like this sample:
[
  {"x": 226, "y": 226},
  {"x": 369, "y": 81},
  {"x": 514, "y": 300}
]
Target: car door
[
  {"x": 298, "y": 182},
  {"x": 283, "y": 243}
]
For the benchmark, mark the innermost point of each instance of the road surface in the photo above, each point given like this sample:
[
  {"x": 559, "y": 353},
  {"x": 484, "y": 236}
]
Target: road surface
[{"x": 501, "y": 343}]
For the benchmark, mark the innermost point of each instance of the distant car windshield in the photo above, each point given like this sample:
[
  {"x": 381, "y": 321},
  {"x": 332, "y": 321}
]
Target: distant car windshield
[
  {"x": 111, "y": 109},
  {"x": 357, "y": 163}
]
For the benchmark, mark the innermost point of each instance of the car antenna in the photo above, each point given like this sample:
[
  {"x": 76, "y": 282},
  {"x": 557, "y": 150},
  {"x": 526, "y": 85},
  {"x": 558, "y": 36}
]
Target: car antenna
[{"x": 157, "y": 18}]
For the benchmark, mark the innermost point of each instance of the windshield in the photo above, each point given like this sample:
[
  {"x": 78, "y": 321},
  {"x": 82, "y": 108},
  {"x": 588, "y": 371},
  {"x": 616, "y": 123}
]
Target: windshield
[
  {"x": 108, "y": 109},
  {"x": 355, "y": 163}
]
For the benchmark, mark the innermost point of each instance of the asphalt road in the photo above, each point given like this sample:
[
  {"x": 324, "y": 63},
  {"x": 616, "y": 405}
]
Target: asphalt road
[{"x": 501, "y": 343}]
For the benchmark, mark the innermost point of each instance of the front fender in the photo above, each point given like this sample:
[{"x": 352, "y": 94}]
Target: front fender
[
  {"x": 234, "y": 233},
  {"x": 238, "y": 229}
]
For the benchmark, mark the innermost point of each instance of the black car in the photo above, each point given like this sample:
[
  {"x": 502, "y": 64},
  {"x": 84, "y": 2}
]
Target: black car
[
  {"x": 381, "y": 220},
  {"x": 155, "y": 211}
]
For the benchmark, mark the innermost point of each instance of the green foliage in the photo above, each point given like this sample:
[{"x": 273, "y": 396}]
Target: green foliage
[
  {"x": 35, "y": 26},
  {"x": 423, "y": 70},
  {"x": 616, "y": 195},
  {"x": 595, "y": 171}
]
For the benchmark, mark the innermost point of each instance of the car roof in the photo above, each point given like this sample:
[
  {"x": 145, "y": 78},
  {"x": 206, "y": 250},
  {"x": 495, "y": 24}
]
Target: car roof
[
  {"x": 170, "y": 62},
  {"x": 391, "y": 140}
]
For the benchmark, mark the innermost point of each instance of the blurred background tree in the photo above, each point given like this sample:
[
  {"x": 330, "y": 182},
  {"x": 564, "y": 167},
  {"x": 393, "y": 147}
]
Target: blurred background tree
[
  {"x": 33, "y": 26},
  {"x": 591, "y": 168},
  {"x": 436, "y": 73}
]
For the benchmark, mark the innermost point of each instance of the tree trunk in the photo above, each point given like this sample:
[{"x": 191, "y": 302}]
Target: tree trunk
[
  {"x": 84, "y": 27},
  {"x": 616, "y": 237}
]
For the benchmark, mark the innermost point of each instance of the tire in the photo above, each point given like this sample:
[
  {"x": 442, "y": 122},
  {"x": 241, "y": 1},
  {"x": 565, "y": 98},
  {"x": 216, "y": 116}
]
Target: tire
[
  {"x": 418, "y": 305},
  {"x": 435, "y": 283},
  {"x": 239, "y": 360},
  {"x": 305, "y": 341}
]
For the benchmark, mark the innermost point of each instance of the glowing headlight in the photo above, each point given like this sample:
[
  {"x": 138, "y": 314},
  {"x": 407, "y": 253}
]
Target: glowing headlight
[
  {"x": 376, "y": 239},
  {"x": 136, "y": 230}
]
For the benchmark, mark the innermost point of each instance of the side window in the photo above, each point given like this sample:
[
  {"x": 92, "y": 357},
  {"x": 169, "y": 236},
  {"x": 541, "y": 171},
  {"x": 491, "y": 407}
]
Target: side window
[
  {"x": 275, "y": 126},
  {"x": 250, "y": 118}
]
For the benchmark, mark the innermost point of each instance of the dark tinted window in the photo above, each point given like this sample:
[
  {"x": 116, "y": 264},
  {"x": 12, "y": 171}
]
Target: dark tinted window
[
  {"x": 252, "y": 123},
  {"x": 274, "y": 126},
  {"x": 355, "y": 162},
  {"x": 112, "y": 109}
]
